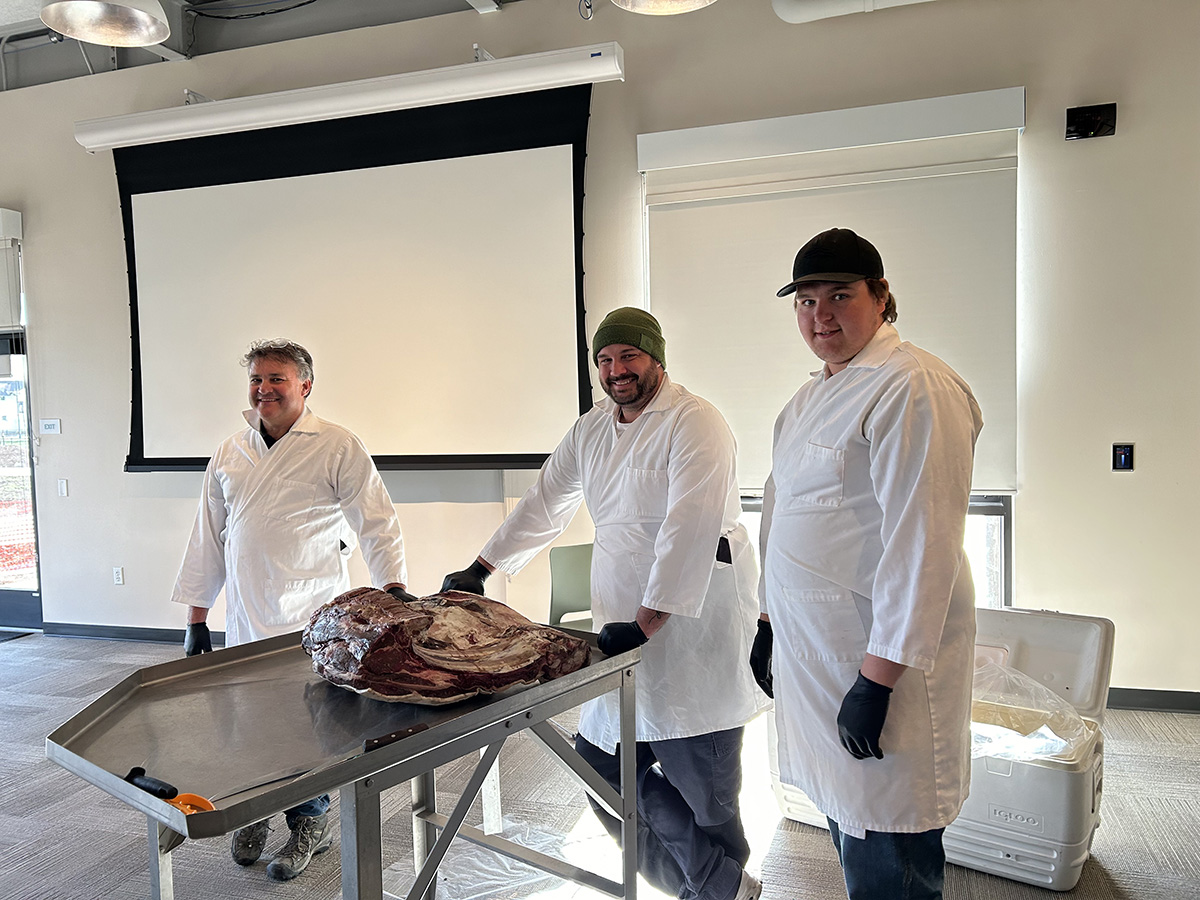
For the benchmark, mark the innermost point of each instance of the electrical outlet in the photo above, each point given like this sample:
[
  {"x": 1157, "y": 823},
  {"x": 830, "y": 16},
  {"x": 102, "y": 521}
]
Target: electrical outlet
[{"x": 118, "y": 575}]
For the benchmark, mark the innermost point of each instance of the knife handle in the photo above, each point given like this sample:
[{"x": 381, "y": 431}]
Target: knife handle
[{"x": 138, "y": 778}]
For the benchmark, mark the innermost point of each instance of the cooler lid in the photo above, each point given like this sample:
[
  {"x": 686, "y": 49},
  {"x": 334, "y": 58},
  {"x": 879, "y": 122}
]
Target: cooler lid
[{"x": 1069, "y": 654}]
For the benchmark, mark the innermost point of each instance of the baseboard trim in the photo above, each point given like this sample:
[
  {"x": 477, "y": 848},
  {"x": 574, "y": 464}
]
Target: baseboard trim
[
  {"x": 1159, "y": 701},
  {"x": 122, "y": 633}
]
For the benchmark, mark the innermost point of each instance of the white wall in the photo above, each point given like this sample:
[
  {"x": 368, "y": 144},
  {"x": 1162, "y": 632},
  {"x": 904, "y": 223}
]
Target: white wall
[{"x": 1107, "y": 231}]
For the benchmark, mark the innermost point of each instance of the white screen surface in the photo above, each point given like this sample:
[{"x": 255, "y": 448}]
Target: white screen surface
[
  {"x": 430, "y": 294},
  {"x": 949, "y": 250}
]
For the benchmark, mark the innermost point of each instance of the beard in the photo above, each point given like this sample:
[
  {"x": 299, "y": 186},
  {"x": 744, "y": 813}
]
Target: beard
[{"x": 636, "y": 393}]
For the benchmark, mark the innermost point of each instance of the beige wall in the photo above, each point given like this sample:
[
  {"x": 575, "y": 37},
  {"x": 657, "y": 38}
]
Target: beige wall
[{"x": 1107, "y": 229}]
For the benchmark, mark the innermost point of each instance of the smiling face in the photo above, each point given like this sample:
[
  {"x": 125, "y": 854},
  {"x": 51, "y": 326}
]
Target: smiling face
[
  {"x": 277, "y": 394},
  {"x": 630, "y": 376},
  {"x": 837, "y": 320}
]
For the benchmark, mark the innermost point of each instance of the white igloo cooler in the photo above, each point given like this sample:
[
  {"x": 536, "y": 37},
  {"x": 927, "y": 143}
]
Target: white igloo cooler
[{"x": 1028, "y": 821}]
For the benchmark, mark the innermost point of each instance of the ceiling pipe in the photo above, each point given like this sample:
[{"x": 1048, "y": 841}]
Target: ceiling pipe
[{"x": 796, "y": 11}]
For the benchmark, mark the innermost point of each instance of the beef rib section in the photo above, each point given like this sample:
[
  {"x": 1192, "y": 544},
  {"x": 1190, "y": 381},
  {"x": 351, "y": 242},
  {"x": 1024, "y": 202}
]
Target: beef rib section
[{"x": 438, "y": 649}]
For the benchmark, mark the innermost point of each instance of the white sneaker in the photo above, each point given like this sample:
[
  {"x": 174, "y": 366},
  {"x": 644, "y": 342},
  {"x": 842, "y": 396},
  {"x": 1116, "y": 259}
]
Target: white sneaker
[{"x": 749, "y": 889}]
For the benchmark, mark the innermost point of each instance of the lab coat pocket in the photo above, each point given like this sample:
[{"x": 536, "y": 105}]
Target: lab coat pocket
[
  {"x": 643, "y": 494},
  {"x": 290, "y": 501},
  {"x": 817, "y": 479},
  {"x": 291, "y": 602},
  {"x": 641, "y": 566},
  {"x": 820, "y": 624}
]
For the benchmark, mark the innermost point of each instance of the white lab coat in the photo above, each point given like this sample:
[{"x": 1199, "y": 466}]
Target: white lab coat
[
  {"x": 270, "y": 525},
  {"x": 862, "y": 535},
  {"x": 661, "y": 494}
]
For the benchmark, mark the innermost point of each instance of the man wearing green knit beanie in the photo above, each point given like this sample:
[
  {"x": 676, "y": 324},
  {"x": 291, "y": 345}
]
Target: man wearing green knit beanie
[
  {"x": 634, "y": 327},
  {"x": 673, "y": 578},
  {"x": 631, "y": 353}
]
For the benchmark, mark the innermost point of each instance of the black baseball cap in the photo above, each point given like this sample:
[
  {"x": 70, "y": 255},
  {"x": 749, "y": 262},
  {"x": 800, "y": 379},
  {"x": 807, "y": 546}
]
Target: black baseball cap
[{"x": 834, "y": 255}]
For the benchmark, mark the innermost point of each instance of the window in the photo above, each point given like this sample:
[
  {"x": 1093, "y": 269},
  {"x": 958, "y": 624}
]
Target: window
[{"x": 988, "y": 542}]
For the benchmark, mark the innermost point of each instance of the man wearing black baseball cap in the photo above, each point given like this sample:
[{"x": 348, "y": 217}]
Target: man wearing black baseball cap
[{"x": 867, "y": 627}]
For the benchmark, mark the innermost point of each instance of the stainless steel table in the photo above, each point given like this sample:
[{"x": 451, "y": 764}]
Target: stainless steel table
[{"x": 255, "y": 731}]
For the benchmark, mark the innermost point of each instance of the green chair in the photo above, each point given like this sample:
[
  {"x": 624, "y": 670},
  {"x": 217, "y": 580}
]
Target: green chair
[{"x": 571, "y": 585}]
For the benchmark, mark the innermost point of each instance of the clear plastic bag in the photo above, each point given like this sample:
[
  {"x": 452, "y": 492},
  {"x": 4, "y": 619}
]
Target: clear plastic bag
[{"x": 1014, "y": 717}]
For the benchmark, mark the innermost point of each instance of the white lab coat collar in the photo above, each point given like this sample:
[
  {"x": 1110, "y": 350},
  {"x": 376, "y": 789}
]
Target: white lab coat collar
[
  {"x": 308, "y": 423},
  {"x": 668, "y": 395},
  {"x": 875, "y": 354}
]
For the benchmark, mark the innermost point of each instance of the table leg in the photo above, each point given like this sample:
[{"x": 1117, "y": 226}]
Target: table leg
[
  {"x": 362, "y": 841},
  {"x": 628, "y": 784},
  {"x": 424, "y": 833},
  {"x": 162, "y": 841},
  {"x": 493, "y": 817}
]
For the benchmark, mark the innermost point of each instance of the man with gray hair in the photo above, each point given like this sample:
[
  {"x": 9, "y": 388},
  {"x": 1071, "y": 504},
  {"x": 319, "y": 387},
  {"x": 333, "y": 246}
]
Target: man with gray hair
[{"x": 281, "y": 502}]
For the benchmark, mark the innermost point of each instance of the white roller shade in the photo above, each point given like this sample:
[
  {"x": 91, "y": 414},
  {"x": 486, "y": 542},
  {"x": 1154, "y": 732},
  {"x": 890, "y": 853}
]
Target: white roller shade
[
  {"x": 948, "y": 244},
  {"x": 932, "y": 183},
  {"x": 10, "y": 284}
]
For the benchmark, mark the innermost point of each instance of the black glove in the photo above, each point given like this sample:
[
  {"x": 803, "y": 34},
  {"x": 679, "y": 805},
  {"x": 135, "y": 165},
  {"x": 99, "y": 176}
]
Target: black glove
[
  {"x": 619, "y": 637},
  {"x": 197, "y": 639},
  {"x": 760, "y": 657},
  {"x": 401, "y": 594},
  {"x": 860, "y": 721},
  {"x": 470, "y": 579}
]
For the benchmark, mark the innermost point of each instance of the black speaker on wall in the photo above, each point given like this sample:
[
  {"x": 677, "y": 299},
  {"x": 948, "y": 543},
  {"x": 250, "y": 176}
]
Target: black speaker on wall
[{"x": 1091, "y": 121}]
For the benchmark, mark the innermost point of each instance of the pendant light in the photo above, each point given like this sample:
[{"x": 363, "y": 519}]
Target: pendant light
[
  {"x": 662, "y": 7},
  {"x": 110, "y": 23}
]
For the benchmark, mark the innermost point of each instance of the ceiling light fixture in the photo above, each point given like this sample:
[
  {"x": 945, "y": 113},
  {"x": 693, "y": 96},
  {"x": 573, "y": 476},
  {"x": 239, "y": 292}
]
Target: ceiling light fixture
[
  {"x": 662, "y": 7},
  {"x": 110, "y": 23}
]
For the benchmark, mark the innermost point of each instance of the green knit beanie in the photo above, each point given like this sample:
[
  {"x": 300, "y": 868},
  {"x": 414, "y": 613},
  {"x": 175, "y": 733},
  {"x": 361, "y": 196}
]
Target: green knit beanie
[{"x": 634, "y": 327}]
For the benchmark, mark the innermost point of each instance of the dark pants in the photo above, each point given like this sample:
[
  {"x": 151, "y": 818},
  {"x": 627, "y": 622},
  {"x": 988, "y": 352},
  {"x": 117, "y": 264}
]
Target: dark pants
[
  {"x": 317, "y": 806},
  {"x": 891, "y": 866},
  {"x": 690, "y": 837}
]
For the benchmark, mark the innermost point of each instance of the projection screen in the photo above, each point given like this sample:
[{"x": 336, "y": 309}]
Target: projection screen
[{"x": 430, "y": 260}]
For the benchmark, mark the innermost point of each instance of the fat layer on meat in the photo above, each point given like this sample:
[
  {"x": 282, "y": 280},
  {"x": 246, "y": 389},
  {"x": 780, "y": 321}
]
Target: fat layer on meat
[{"x": 435, "y": 650}]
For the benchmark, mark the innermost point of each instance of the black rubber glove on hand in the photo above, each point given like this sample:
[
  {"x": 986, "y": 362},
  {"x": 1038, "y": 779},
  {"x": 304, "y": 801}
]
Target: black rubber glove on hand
[
  {"x": 619, "y": 637},
  {"x": 197, "y": 639},
  {"x": 401, "y": 594},
  {"x": 470, "y": 579},
  {"x": 760, "y": 657},
  {"x": 860, "y": 721}
]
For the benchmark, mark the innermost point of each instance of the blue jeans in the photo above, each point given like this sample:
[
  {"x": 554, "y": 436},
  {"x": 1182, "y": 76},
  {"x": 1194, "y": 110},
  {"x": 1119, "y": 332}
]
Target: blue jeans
[
  {"x": 690, "y": 838},
  {"x": 317, "y": 806},
  {"x": 890, "y": 865}
]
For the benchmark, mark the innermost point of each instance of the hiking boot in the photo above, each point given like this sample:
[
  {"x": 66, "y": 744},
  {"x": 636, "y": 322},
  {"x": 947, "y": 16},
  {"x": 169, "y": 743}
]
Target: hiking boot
[
  {"x": 248, "y": 843},
  {"x": 312, "y": 835}
]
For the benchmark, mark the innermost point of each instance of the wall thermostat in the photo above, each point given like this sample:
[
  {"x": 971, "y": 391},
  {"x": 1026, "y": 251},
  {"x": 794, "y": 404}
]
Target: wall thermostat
[{"x": 1122, "y": 457}]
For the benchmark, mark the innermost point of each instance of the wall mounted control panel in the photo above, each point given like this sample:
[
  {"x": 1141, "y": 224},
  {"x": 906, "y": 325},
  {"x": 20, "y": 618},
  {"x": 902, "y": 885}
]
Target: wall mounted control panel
[{"x": 1122, "y": 457}]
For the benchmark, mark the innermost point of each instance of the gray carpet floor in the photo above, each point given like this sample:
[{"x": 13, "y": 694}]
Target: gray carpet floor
[{"x": 62, "y": 838}]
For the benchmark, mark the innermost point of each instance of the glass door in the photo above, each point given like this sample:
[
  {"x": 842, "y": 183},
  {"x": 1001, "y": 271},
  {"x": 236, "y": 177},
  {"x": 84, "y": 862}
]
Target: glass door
[{"x": 20, "y": 587}]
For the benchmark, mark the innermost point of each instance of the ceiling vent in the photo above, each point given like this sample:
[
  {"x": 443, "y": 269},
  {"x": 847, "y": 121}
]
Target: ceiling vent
[{"x": 811, "y": 10}]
